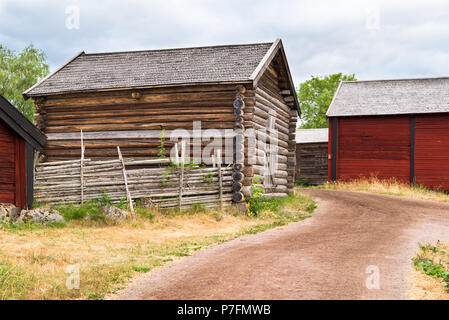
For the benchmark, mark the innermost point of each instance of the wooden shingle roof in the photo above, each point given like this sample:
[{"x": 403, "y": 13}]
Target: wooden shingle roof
[
  {"x": 139, "y": 69},
  {"x": 390, "y": 97}
]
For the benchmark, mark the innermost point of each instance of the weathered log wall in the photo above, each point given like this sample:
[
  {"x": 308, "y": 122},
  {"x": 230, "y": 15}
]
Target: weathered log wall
[
  {"x": 129, "y": 119},
  {"x": 311, "y": 162},
  {"x": 134, "y": 120},
  {"x": 268, "y": 106}
]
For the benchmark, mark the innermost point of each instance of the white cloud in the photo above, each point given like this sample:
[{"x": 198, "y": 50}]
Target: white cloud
[{"x": 320, "y": 37}]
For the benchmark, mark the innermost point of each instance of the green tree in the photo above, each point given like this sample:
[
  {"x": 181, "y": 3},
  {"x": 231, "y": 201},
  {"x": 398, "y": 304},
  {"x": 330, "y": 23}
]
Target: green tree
[
  {"x": 315, "y": 96},
  {"x": 18, "y": 72}
]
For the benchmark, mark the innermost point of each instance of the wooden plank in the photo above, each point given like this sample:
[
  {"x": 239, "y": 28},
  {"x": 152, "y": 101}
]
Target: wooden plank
[
  {"x": 181, "y": 173},
  {"x": 373, "y": 146},
  {"x": 432, "y": 151},
  {"x": 125, "y": 179},
  {"x": 132, "y": 134},
  {"x": 220, "y": 177},
  {"x": 82, "y": 169}
]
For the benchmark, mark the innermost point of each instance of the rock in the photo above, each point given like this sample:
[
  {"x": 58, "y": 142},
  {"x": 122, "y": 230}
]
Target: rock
[
  {"x": 13, "y": 214},
  {"x": 5, "y": 210},
  {"x": 39, "y": 216},
  {"x": 114, "y": 215},
  {"x": 146, "y": 203}
]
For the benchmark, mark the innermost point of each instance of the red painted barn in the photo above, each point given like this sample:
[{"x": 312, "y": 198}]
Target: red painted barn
[
  {"x": 19, "y": 138},
  {"x": 391, "y": 129}
]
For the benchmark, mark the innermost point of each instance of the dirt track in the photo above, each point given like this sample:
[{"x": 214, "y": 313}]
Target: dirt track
[{"x": 324, "y": 257}]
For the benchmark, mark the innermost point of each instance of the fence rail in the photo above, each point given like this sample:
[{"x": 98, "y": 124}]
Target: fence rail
[{"x": 76, "y": 181}]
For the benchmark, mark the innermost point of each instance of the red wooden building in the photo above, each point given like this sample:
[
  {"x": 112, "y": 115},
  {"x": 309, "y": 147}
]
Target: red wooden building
[
  {"x": 391, "y": 129},
  {"x": 18, "y": 140}
]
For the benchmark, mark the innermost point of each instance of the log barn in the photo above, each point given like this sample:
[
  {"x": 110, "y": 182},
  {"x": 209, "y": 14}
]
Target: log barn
[
  {"x": 18, "y": 140},
  {"x": 391, "y": 129},
  {"x": 311, "y": 155},
  {"x": 130, "y": 99}
]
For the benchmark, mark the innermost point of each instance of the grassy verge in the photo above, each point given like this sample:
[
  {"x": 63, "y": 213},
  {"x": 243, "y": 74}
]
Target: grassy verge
[
  {"x": 388, "y": 187},
  {"x": 34, "y": 259},
  {"x": 433, "y": 261}
]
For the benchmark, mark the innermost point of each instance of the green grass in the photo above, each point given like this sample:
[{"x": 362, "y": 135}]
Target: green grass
[
  {"x": 15, "y": 282},
  {"x": 107, "y": 256},
  {"x": 433, "y": 260}
]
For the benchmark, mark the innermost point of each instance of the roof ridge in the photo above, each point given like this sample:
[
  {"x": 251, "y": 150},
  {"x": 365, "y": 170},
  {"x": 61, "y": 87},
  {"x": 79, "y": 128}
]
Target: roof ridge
[
  {"x": 398, "y": 79},
  {"x": 176, "y": 49}
]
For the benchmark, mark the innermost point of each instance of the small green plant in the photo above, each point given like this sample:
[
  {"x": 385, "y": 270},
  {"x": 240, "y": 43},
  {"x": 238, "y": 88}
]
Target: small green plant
[
  {"x": 123, "y": 204},
  {"x": 141, "y": 269},
  {"x": 3, "y": 221},
  {"x": 91, "y": 209},
  {"x": 434, "y": 270},
  {"x": 258, "y": 202},
  {"x": 164, "y": 179},
  {"x": 190, "y": 163},
  {"x": 161, "y": 147},
  {"x": 302, "y": 182},
  {"x": 197, "y": 208},
  {"x": 425, "y": 262},
  {"x": 145, "y": 213},
  {"x": 209, "y": 177}
]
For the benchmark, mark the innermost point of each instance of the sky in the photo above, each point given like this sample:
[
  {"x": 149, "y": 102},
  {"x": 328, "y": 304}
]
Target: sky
[{"x": 372, "y": 39}]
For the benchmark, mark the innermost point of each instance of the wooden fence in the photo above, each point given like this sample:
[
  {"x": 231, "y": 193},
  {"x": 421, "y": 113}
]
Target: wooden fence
[{"x": 167, "y": 186}]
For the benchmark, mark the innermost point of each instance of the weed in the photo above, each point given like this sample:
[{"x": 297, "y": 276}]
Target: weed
[
  {"x": 425, "y": 261},
  {"x": 302, "y": 182},
  {"x": 164, "y": 178},
  {"x": 145, "y": 213},
  {"x": 141, "y": 269},
  {"x": 258, "y": 202},
  {"x": 197, "y": 208},
  {"x": 161, "y": 147},
  {"x": 209, "y": 177},
  {"x": 91, "y": 209}
]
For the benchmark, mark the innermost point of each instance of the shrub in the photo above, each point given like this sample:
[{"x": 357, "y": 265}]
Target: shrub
[
  {"x": 302, "y": 182},
  {"x": 145, "y": 213},
  {"x": 258, "y": 202},
  {"x": 90, "y": 209}
]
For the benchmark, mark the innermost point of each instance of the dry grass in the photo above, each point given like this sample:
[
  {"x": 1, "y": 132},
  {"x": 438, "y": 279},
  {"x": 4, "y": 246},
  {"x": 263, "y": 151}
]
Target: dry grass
[
  {"x": 430, "y": 279},
  {"x": 33, "y": 259},
  {"x": 388, "y": 187},
  {"x": 425, "y": 287}
]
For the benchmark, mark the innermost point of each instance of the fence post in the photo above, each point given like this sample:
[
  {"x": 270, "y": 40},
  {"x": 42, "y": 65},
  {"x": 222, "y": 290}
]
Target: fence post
[
  {"x": 181, "y": 173},
  {"x": 128, "y": 194},
  {"x": 176, "y": 160},
  {"x": 220, "y": 178},
  {"x": 82, "y": 168}
]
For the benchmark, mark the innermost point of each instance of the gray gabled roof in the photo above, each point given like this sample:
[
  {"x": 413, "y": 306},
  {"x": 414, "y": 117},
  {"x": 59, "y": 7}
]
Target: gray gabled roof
[
  {"x": 312, "y": 135},
  {"x": 139, "y": 69},
  {"x": 390, "y": 97}
]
